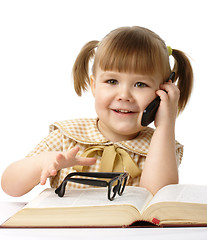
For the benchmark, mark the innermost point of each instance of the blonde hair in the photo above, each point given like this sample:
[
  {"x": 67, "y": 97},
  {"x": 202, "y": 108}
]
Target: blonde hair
[{"x": 133, "y": 49}]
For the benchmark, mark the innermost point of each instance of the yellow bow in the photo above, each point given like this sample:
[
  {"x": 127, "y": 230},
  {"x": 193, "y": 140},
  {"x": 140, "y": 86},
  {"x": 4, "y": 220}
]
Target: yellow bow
[{"x": 114, "y": 159}]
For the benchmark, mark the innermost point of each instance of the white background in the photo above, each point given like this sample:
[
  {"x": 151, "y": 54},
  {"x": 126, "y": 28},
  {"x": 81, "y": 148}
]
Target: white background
[{"x": 39, "y": 41}]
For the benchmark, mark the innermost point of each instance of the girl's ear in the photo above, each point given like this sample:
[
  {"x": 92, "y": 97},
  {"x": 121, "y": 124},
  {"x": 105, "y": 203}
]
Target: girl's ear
[{"x": 92, "y": 84}]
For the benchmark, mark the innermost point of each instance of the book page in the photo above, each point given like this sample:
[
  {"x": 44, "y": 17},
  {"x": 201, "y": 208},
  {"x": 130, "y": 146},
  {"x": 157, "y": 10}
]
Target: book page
[
  {"x": 135, "y": 196},
  {"x": 181, "y": 193}
]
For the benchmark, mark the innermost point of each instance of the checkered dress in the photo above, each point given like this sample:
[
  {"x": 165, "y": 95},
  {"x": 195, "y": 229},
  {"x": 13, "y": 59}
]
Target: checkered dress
[{"x": 84, "y": 133}]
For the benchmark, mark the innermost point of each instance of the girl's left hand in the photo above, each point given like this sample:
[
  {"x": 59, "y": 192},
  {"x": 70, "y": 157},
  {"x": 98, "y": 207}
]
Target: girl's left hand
[{"x": 167, "y": 111}]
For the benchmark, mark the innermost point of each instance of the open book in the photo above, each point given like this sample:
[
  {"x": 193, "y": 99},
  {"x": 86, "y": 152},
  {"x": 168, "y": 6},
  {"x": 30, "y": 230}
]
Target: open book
[{"x": 173, "y": 205}]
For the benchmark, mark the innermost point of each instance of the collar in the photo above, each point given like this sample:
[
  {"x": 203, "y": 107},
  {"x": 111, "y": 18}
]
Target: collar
[{"x": 85, "y": 131}]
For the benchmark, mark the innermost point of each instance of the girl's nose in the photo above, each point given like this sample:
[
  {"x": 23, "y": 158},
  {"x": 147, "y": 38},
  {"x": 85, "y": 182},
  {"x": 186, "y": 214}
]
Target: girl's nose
[{"x": 124, "y": 94}]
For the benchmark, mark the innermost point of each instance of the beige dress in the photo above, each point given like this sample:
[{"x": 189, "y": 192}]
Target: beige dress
[{"x": 111, "y": 157}]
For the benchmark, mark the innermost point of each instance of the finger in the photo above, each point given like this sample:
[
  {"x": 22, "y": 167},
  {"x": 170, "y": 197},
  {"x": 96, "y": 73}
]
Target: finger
[
  {"x": 54, "y": 167},
  {"x": 46, "y": 174},
  {"x": 162, "y": 94},
  {"x": 168, "y": 86},
  {"x": 73, "y": 152},
  {"x": 53, "y": 172},
  {"x": 60, "y": 156},
  {"x": 172, "y": 90},
  {"x": 165, "y": 87},
  {"x": 85, "y": 161},
  {"x": 70, "y": 154},
  {"x": 43, "y": 177}
]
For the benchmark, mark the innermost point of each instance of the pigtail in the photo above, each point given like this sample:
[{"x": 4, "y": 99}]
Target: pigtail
[
  {"x": 184, "y": 75},
  {"x": 81, "y": 67}
]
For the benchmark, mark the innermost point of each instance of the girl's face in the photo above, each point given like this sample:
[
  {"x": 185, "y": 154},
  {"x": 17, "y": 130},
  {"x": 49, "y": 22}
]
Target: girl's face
[{"x": 120, "y": 99}]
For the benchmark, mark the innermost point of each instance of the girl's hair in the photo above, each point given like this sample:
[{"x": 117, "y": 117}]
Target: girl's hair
[{"x": 137, "y": 50}]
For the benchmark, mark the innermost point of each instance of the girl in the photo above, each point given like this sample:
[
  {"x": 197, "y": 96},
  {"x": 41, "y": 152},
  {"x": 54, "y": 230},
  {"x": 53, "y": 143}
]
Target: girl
[{"x": 130, "y": 68}]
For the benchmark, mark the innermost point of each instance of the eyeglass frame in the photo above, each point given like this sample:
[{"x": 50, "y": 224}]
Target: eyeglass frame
[{"x": 121, "y": 177}]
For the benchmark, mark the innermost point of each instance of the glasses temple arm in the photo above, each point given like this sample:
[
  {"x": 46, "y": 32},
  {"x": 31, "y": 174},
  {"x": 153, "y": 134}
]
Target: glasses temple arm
[{"x": 61, "y": 189}]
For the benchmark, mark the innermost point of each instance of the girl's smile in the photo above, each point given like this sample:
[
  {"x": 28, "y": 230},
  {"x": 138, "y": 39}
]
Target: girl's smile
[
  {"x": 120, "y": 99},
  {"x": 123, "y": 112}
]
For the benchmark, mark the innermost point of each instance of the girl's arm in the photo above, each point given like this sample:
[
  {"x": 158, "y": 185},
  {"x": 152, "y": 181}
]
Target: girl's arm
[
  {"x": 160, "y": 167},
  {"x": 23, "y": 175}
]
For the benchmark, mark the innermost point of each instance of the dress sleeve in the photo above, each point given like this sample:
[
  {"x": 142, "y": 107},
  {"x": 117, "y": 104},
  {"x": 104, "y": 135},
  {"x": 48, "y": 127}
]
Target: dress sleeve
[{"x": 53, "y": 142}]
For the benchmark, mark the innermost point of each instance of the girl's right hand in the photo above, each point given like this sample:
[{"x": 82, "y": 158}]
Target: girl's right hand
[
  {"x": 63, "y": 160},
  {"x": 167, "y": 112}
]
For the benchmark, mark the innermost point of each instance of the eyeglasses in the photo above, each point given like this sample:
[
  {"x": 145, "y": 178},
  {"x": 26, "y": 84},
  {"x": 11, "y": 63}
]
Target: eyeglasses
[{"x": 115, "y": 185}]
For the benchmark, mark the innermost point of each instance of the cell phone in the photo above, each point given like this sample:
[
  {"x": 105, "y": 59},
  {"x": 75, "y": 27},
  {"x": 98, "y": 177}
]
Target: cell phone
[{"x": 150, "y": 111}]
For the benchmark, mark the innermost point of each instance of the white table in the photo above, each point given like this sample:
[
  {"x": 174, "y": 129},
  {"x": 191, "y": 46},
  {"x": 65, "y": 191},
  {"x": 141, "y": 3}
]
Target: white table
[{"x": 7, "y": 209}]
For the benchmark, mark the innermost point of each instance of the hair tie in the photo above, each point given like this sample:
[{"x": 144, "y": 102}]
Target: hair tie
[{"x": 169, "y": 50}]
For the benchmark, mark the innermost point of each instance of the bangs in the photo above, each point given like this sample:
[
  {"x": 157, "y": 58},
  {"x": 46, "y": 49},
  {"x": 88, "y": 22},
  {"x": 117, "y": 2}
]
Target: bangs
[{"x": 133, "y": 50}]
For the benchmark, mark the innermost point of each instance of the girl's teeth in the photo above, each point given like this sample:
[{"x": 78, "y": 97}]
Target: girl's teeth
[{"x": 123, "y": 111}]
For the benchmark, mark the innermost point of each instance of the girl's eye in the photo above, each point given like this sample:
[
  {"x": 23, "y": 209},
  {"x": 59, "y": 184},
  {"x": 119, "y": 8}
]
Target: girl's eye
[
  {"x": 140, "y": 85},
  {"x": 112, "y": 81}
]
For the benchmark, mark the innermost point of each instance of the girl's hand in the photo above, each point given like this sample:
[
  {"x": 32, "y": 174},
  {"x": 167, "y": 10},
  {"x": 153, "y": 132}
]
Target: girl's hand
[
  {"x": 167, "y": 111},
  {"x": 63, "y": 160}
]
